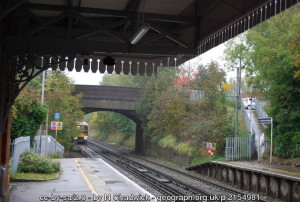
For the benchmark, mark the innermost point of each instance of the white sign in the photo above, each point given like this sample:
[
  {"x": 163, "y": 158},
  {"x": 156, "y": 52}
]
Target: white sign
[
  {"x": 211, "y": 146},
  {"x": 265, "y": 120},
  {"x": 56, "y": 125}
]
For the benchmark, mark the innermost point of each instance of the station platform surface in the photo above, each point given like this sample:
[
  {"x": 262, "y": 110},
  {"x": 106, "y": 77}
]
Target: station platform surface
[
  {"x": 81, "y": 179},
  {"x": 282, "y": 171}
]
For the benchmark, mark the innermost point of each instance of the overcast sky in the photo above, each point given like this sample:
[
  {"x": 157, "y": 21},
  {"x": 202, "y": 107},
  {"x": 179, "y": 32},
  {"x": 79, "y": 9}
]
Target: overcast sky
[{"x": 215, "y": 54}]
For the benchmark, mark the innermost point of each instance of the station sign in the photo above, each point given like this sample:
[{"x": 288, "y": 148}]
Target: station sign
[
  {"x": 56, "y": 115},
  {"x": 265, "y": 120},
  {"x": 56, "y": 125}
]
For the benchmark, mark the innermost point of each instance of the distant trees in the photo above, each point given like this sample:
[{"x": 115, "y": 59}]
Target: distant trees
[
  {"x": 173, "y": 121},
  {"x": 273, "y": 62}
]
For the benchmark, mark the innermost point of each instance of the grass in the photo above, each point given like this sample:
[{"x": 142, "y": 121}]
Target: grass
[
  {"x": 199, "y": 160},
  {"x": 130, "y": 142},
  {"x": 35, "y": 176}
]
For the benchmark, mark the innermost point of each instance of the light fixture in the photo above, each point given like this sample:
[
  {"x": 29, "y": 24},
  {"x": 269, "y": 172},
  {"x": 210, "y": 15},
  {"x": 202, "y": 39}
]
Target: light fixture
[
  {"x": 140, "y": 33},
  {"x": 109, "y": 61}
]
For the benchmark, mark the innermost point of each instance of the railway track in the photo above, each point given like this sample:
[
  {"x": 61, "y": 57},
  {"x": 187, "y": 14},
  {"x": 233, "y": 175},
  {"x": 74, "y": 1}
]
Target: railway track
[{"x": 164, "y": 182}]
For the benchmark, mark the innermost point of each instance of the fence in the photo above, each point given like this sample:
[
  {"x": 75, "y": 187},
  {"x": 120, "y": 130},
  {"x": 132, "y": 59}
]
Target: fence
[
  {"x": 196, "y": 95},
  {"x": 49, "y": 145},
  {"x": 239, "y": 148},
  {"x": 22, "y": 144},
  {"x": 18, "y": 146}
]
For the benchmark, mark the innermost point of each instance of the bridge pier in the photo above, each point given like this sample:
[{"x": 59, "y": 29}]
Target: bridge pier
[{"x": 139, "y": 138}]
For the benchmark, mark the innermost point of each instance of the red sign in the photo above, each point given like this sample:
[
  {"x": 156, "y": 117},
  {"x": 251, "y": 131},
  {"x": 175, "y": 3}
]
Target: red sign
[{"x": 210, "y": 152}]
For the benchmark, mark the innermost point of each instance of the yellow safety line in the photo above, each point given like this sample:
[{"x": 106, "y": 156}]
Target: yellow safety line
[
  {"x": 282, "y": 171},
  {"x": 85, "y": 178}
]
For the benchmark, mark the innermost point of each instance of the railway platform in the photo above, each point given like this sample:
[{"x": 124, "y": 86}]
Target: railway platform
[
  {"x": 274, "y": 180},
  {"x": 81, "y": 179}
]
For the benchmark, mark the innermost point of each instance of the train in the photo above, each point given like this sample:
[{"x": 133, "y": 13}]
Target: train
[{"x": 83, "y": 132}]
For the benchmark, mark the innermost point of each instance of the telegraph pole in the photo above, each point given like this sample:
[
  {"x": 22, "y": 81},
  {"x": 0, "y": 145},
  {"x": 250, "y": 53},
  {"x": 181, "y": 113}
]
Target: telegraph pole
[{"x": 238, "y": 81}]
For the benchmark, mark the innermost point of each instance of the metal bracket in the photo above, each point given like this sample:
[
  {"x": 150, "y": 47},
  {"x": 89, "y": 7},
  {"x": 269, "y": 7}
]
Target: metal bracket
[{"x": 19, "y": 71}]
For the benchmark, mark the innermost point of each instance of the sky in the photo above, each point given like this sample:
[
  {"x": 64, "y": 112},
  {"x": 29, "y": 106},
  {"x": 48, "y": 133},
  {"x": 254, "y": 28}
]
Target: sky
[{"x": 215, "y": 54}]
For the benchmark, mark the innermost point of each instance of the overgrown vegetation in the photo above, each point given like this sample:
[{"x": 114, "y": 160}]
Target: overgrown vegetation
[
  {"x": 272, "y": 61},
  {"x": 174, "y": 121},
  {"x": 34, "y": 163},
  {"x": 28, "y": 114}
]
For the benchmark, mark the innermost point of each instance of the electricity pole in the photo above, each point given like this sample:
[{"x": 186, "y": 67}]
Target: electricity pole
[{"x": 238, "y": 83}]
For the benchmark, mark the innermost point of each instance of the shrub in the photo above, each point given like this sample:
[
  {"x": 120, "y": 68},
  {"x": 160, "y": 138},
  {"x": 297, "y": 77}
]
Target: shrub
[
  {"x": 31, "y": 162},
  {"x": 287, "y": 144}
]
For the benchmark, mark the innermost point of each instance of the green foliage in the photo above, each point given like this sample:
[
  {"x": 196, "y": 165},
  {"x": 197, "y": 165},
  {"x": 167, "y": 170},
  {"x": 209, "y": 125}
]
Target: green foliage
[
  {"x": 28, "y": 115},
  {"x": 173, "y": 121},
  {"x": 236, "y": 52},
  {"x": 31, "y": 162},
  {"x": 209, "y": 79},
  {"x": 59, "y": 98},
  {"x": 153, "y": 89},
  {"x": 288, "y": 145},
  {"x": 273, "y": 62},
  {"x": 167, "y": 116}
]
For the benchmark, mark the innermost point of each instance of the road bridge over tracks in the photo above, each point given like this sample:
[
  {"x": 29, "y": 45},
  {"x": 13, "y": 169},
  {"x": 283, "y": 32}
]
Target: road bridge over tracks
[{"x": 122, "y": 100}]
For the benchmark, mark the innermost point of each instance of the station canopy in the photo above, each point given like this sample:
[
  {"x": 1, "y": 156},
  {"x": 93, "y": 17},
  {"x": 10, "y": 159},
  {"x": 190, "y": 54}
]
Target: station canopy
[{"x": 138, "y": 34}]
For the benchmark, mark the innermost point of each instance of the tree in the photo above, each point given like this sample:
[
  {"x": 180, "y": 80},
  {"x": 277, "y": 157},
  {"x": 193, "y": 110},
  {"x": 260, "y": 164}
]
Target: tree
[
  {"x": 59, "y": 98},
  {"x": 28, "y": 114},
  {"x": 273, "y": 61},
  {"x": 209, "y": 79},
  {"x": 153, "y": 89}
]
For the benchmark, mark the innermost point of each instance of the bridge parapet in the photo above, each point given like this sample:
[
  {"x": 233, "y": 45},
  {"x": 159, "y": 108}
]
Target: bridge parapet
[
  {"x": 109, "y": 92},
  {"x": 108, "y": 97}
]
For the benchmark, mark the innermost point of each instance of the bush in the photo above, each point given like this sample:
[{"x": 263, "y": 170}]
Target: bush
[
  {"x": 287, "y": 145},
  {"x": 31, "y": 162}
]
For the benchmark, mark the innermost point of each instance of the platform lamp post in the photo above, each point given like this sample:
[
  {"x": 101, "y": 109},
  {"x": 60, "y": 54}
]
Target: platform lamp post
[
  {"x": 47, "y": 119},
  {"x": 42, "y": 101}
]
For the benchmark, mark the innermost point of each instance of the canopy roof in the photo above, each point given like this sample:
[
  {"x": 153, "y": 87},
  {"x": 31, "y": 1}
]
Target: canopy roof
[{"x": 180, "y": 29}]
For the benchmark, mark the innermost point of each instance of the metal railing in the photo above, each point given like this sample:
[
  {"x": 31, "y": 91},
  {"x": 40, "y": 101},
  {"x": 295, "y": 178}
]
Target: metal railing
[
  {"x": 239, "y": 148},
  {"x": 259, "y": 108}
]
